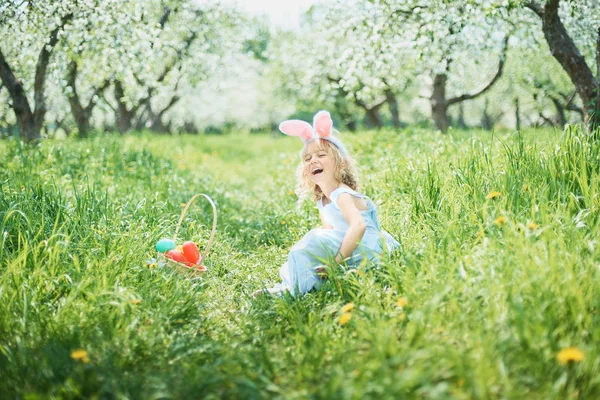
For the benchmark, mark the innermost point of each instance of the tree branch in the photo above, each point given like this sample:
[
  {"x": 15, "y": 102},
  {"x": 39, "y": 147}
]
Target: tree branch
[
  {"x": 464, "y": 97},
  {"x": 40, "y": 73},
  {"x": 172, "y": 102},
  {"x": 547, "y": 120},
  {"x": 409, "y": 12},
  {"x": 138, "y": 80},
  {"x": 569, "y": 102},
  {"x": 97, "y": 93},
  {"x": 165, "y": 17},
  {"x": 188, "y": 42},
  {"x": 20, "y": 104},
  {"x": 71, "y": 81},
  {"x": 107, "y": 102},
  {"x": 536, "y": 8}
]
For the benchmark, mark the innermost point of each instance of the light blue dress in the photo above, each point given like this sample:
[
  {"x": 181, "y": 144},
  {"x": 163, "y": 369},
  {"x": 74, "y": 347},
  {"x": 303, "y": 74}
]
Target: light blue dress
[{"x": 319, "y": 245}]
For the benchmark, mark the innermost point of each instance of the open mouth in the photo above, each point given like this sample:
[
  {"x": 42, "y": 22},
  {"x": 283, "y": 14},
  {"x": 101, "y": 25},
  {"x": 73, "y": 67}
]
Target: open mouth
[{"x": 317, "y": 171}]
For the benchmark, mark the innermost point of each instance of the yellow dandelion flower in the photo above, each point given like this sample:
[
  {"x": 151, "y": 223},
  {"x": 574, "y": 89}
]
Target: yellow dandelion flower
[
  {"x": 80, "y": 355},
  {"x": 493, "y": 195},
  {"x": 135, "y": 301},
  {"x": 283, "y": 222},
  {"x": 525, "y": 188},
  {"x": 570, "y": 354},
  {"x": 501, "y": 220},
  {"x": 347, "y": 308},
  {"x": 402, "y": 317},
  {"x": 402, "y": 302},
  {"x": 291, "y": 192},
  {"x": 180, "y": 248},
  {"x": 532, "y": 225},
  {"x": 345, "y": 318}
]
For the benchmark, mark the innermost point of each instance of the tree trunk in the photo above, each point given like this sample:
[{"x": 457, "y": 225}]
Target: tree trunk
[
  {"x": 487, "y": 121},
  {"x": 439, "y": 106},
  {"x": 157, "y": 123},
  {"x": 30, "y": 123},
  {"x": 517, "y": 115},
  {"x": 561, "y": 119},
  {"x": 80, "y": 113},
  {"x": 373, "y": 117},
  {"x": 439, "y": 103},
  {"x": 20, "y": 104},
  {"x": 124, "y": 116},
  {"x": 461, "y": 123},
  {"x": 393, "y": 105},
  {"x": 567, "y": 54},
  {"x": 341, "y": 107}
]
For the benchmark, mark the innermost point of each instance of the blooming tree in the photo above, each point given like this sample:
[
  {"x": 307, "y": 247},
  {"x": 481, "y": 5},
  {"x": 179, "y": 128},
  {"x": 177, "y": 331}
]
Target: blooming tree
[
  {"x": 146, "y": 50},
  {"x": 23, "y": 23},
  {"x": 572, "y": 31}
]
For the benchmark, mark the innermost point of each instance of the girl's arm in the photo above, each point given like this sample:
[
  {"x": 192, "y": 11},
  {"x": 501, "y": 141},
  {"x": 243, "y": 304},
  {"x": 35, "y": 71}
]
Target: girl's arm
[
  {"x": 356, "y": 229},
  {"x": 323, "y": 222}
]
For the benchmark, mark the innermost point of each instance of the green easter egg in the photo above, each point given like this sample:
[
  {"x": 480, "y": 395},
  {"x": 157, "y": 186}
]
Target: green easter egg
[{"x": 164, "y": 245}]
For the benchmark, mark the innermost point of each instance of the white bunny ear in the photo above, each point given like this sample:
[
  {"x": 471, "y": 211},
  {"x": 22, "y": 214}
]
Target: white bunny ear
[
  {"x": 323, "y": 124},
  {"x": 296, "y": 127}
]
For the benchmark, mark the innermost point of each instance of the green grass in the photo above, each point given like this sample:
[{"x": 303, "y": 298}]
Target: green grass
[{"x": 491, "y": 301}]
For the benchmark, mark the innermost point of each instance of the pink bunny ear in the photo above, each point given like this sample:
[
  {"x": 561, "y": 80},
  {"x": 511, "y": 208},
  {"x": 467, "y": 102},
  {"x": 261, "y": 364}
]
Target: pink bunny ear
[
  {"x": 295, "y": 127},
  {"x": 323, "y": 124}
]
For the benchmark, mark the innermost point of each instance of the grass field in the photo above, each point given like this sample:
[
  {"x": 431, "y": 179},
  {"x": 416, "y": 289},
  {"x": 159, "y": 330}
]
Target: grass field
[{"x": 499, "y": 270}]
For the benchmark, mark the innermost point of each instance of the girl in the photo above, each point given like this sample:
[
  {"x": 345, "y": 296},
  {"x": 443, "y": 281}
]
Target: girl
[{"x": 350, "y": 231}]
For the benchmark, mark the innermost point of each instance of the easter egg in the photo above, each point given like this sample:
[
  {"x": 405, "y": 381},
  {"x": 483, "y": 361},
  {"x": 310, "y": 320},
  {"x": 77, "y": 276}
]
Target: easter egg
[
  {"x": 164, "y": 245},
  {"x": 176, "y": 255},
  {"x": 191, "y": 252}
]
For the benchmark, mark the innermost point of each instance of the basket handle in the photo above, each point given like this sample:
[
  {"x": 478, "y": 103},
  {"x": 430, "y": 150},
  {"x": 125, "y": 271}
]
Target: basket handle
[{"x": 214, "y": 226}]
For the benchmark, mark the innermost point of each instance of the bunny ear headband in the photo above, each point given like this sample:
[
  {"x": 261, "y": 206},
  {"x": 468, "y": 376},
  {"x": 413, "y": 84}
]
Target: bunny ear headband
[{"x": 322, "y": 128}]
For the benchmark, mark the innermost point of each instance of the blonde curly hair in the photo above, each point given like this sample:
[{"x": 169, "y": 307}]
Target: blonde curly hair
[{"x": 345, "y": 172}]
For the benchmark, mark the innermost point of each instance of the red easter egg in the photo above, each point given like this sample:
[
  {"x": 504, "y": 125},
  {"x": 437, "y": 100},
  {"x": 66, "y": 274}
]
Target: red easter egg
[
  {"x": 191, "y": 252},
  {"x": 175, "y": 255}
]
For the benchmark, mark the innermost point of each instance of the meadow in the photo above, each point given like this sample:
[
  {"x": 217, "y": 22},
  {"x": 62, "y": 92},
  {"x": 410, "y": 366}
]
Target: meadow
[{"x": 498, "y": 274}]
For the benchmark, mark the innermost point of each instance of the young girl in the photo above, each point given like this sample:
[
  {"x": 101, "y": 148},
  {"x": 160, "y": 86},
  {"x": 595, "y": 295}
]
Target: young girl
[{"x": 350, "y": 231}]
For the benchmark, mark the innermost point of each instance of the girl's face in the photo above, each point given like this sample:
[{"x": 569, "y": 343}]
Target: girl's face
[{"x": 319, "y": 163}]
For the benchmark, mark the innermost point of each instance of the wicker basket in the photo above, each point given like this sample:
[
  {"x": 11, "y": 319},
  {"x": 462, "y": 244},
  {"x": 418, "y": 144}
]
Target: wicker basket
[{"x": 200, "y": 268}]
